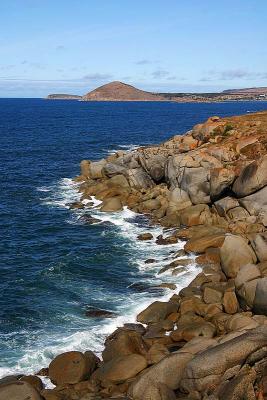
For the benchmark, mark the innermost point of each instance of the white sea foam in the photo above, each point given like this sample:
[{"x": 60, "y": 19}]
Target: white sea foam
[
  {"x": 126, "y": 147},
  {"x": 126, "y": 227}
]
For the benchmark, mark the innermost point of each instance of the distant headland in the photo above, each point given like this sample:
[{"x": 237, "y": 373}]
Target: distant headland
[{"x": 119, "y": 91}]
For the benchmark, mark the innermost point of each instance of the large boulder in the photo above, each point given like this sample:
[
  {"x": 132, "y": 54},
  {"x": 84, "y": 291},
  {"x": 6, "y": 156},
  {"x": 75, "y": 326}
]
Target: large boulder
[
  {"x": 220, "y": 180},
  {"x": 240, "y": 387},
  {"x": 200, "y": 244},
  {"x": 156, "y": 312},
  {"x": 139, "y": 179},
  {"x": 259, "y": 244},
  {"x": 111, "y": 204},
  {"x": 18, "y": 391},
  {"x": 170, "y": 369},
  {"x": 154, "y": 166},
  {"x": 225, "y": 204},
  {"x": 196, "y": 215},
  {"x": 119, "y": 181},
  {"x": 196, "y": 183},
  {"x": 235, "y": 252},
  {"x": 206, "y": 369},
  {"x": 179, "y": 199},
  {"x": 246, "y": 273},
  {"x": 71, "y": 367},
  {"x": 34, "y": 381},
  {"x": 256, "y": 203},
  {"x": 85, "y": 168},
  {"x": 123, "y": 342},
  {"x": 186, "y": 332},
  {"x": 260, "y": 300},
  {"x": 120, "y": 369},
  {"x": 96, "y": 169},
  {"x": 112, "y": 169},
  {"x": 191, "y": 172},
  {"x": 252, "y": 178}
]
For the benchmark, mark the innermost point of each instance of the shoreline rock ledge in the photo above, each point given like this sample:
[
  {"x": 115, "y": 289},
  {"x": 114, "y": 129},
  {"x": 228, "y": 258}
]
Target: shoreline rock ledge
[{"x": 209, "y": 342}]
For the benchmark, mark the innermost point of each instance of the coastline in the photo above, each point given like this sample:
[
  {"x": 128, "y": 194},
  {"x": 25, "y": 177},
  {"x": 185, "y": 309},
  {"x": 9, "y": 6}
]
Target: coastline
[{"x": 216, "y": 312}]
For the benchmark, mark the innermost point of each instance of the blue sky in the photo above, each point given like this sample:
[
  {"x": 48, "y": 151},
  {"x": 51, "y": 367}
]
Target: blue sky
[{"x": 73, "y": 46}]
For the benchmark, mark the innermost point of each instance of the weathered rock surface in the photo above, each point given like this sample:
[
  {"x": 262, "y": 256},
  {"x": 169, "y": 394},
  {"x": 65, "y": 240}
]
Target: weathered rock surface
[
  {"x": 19, "y": 391},
  {"x": 156, "y": 311},
  {"x": 235, "y": 252},
  {"x": 206, "y": 369},
  {"x": 71, "y": 367},
  {"x": 252, "y": 178},
  {"x": 121, "y": 368}
]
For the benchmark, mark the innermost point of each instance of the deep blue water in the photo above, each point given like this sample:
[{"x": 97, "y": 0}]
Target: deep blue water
[{"x": 52, "y": 265}]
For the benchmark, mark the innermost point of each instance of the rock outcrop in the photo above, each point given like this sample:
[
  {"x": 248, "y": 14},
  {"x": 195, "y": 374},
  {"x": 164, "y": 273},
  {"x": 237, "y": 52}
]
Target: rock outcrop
[{"x": 209, "y": 341}]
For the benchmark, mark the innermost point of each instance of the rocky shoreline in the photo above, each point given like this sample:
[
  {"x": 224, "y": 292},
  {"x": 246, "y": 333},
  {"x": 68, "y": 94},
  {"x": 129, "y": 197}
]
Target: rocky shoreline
[{"x": 209, "y": 342}]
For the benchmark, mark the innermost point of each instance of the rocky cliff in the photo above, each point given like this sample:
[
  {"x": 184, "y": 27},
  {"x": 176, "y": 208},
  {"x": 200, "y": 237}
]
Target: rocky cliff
[
  {"x": 118, "y": 91},
  {"x": 209, "y": 342}
]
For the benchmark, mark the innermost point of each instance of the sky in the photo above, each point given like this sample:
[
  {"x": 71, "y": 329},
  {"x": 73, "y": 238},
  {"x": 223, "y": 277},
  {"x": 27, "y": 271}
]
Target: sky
[{"x": 74, "y": 46}]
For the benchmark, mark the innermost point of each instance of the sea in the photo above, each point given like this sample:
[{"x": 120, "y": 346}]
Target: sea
[{"x": 54, "y": 266}]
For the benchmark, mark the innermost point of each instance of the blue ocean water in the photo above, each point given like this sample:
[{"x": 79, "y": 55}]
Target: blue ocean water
[{"x": 53, "y": 266}]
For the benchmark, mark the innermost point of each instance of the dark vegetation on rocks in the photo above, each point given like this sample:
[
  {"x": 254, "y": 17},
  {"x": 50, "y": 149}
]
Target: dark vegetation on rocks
[{"x": 209, "y": 342}]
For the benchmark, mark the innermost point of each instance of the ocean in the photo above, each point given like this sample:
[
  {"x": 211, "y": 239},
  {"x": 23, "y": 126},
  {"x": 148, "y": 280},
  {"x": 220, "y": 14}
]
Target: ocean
[{"x": 53, "y": 265}]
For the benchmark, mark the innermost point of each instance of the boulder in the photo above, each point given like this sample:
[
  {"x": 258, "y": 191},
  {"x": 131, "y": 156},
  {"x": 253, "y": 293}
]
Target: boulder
[
  {"x": 145, "y": 236},
  {"x": 123, "y": 343},
  {"x": 196, "y": 215},
  {"x": 112, "y": 169},
  {"x": 156, "y": 353},
  {"x": 170, "y": 369},
  {"x": 139, "y": 179},
  {"x": 34, "y": 381},
  {"x": 111, "y": 204},
  {"x": 18, "y": 391},
  {"x": 150, "y": 205},
  {"x": 93, "y": 312},
  {"x": 166, "y": 240},
  {"x": 252, "y": 178},
  {"x": 231, "y": 259},
  {"x": 256, "y": 203},
  {"x": 247, "y": 293},
  {"x": 238, "y": 388},
  {"x": 154, "y": 166},
  {"x": 71, "y": 367},
  {"x": 195, "y": 181},
  {"x": 96, "y": 169},
  {"x": 120, "y": 369},
  {"x": 157, "y": 311},
  {"x": 212, "y": 294},
  {"x": 225, "y": 204},
  {"x": 85, "y": 168},
  {"x": 240, "y": 321},
  {"x": 260, "y": 300},
  {"x": 186, "y": 332},
  {"x": 88, "y": 219},
  {"x": 179, "y": 199},
  {"x": 230, "y": 303},
  {"x": 200, "y": 244},
  {"x": 259, "y": 244},
  {"x": 220, "y": 180},
  {"x": 238, "y": 214},
  {"x": 247, "y": 273},
  {"x": 205, "y": 370},
  {"x": 76, "y": 205},
  {"x": 118, "y": 180}
]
